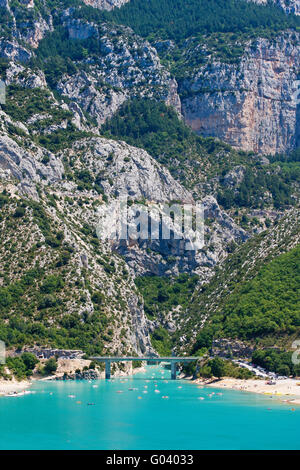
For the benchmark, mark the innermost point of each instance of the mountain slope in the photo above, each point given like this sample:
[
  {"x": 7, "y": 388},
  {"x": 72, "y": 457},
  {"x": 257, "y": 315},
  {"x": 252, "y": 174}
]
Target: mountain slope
[
  {"x": 254, "y": 294},
  {"x": 93, "y": 111}
]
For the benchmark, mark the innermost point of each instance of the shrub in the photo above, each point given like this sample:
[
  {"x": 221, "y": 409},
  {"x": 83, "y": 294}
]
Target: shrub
[{"x": 50, "y": 366}]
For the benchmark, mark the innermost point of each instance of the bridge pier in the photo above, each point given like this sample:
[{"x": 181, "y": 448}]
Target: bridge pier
[
  {"x": 173, "y": 370},
  {"x": 107, "y": 369},
  {"x": 172, "y": 360}
]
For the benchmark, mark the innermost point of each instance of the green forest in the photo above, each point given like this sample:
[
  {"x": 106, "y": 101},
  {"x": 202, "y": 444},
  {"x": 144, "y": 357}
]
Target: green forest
[
  {"x": 276, "y": 360},
  {"x": 180, "y": 19},
  {"x": 161, "y": 294},
  {"x": 267, "y": 305}
]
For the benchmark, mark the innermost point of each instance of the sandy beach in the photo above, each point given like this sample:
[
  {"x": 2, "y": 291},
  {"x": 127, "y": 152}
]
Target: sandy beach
[
  {"x": 13, "y": 386},
  {"x": 287, "y": 390}
]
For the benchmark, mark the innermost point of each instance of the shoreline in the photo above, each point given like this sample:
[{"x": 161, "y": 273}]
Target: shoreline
[
  {"x": 286, "y": 390},
  {"x": 11, "y": 388}
]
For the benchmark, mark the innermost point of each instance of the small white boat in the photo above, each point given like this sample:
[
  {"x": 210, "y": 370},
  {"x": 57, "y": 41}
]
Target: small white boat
[{"x": 18, "y": 394}]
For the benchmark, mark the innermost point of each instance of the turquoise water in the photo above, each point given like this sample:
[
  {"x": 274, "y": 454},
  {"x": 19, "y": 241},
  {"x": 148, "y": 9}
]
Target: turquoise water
[{"x": 50, "y": 419}]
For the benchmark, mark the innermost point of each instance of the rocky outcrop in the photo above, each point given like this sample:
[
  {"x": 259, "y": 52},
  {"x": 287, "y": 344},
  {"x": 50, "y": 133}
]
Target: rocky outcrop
[
  {"x": 125, "y": 170},
  {"x": 176, "y": 253},
  {"x": 17, "y": 74},
  {"x": 46, "y": 353},
  {"x": 289, "y": 6},
  {"x": 251, "y": 105},
  {"x": 33, "y": 32},
  {"x": 26, "y": 166},
  {"x": 105, "y": 4},
  {"x": 90, "y": 374},
  {"x": 229, "y": 349},
  {"x": 126, "y": 67},
  {"x": 12, "y": 50},
  {"x": 29, "y": 24}
]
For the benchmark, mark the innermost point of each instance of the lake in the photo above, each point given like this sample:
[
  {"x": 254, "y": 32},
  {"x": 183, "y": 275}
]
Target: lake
[{"x": 95, "y": 415}]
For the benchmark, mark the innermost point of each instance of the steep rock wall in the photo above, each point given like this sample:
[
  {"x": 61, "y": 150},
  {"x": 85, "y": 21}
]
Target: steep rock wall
[{"x": 251, "y": 105}]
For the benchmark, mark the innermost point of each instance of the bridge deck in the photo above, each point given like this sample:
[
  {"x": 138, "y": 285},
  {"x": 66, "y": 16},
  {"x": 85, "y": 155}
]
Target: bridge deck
[{"x": 145, "y": 358}]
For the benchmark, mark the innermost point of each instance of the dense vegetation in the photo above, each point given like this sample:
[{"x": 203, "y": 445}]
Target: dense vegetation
[
  {"x": 20, "y": 366},
  {"x": 161, "y": 341},
  {"x": 57, "y": 53},
  {"x": 36, "y": 288},
  {"x": 276, "y": 360},
  {"x": 162, "y": 294},
  {"x": 258, "y": 182},
  {"x": 179, "y": 19},
  {"x": 156, "y": 128},
  {"x": 217, "y": 368},
  {"x": 267, "y": 305}
]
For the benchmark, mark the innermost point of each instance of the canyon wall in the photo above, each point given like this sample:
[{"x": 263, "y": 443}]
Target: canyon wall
[{"x": 253, "y": 104}]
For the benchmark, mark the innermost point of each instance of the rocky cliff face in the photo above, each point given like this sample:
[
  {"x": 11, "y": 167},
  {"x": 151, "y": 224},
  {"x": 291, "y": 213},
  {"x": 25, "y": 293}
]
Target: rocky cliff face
[
  {"x": 250, "y": 105},
  {"x": 105, "y": 4},
  {"x": 56, "y": 172},
  {"x": 126, "y": 67},
  {"x": 170, "y": 257},
  {"x": 26, "y": 22}
]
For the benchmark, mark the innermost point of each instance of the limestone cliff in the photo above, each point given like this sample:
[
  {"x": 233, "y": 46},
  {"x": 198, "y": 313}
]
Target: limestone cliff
[
  {"x": 251, "y": 105},
  {"x": 126, "y": 67}
]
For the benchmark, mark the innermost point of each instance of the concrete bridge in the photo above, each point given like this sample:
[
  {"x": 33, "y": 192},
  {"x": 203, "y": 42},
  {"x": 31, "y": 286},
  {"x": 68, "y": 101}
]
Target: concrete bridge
[{"x": 173, "y": 360}]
